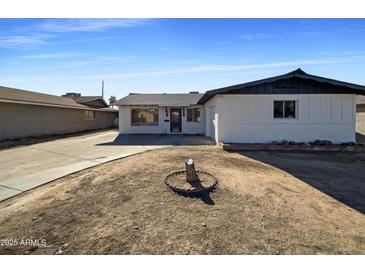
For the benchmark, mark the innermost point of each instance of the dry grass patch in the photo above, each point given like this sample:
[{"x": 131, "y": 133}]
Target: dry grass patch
[{"x": 123, "y": 207}]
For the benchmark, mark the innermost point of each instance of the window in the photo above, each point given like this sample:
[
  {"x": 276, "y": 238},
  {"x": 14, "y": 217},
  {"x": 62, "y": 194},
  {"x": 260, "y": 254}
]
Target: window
[
  {"x": 89, "y": 115},
  {"x": 285, "y": 109},
  {"x": 144, "y": 117},
  {"x": 193, "y": 115}
]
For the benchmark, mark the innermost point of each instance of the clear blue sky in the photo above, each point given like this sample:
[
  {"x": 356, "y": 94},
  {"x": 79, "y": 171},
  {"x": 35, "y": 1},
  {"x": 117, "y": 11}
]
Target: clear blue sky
[{"x": 173, "y": 55}]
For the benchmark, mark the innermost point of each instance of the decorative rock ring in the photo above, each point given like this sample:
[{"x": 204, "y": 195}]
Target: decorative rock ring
[{"x": 183, "y": 187}]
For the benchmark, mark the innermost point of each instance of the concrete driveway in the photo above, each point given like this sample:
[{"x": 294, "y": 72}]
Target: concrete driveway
[{"x": 27, "y": 167}]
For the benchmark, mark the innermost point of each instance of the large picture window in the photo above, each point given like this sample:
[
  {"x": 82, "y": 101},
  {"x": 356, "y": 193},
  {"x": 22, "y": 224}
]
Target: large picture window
[
  {"x": 144, "y": 117},
  {"x": 193, "y": 115},
  {"x": 285, "y": 109}
]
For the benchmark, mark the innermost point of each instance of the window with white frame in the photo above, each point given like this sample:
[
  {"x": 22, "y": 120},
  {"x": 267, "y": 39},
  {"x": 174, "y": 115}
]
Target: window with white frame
[
  {"x": 144, "y": 117},
  {"x": 285, "y": 109},
  {"x": 89, "y": 115},
  {"x": 193, "y": 115}
]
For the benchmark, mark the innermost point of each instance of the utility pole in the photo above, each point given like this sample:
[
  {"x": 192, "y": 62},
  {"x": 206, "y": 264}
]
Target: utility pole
[{"x": 102, "y": 89}]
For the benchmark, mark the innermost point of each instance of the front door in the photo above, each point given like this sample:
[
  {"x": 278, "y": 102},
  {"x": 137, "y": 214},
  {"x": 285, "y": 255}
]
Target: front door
[{"x": 175, "y": 119}]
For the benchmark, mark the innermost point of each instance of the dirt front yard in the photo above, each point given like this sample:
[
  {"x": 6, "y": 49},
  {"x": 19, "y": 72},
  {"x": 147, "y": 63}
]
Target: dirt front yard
[{"x": 266, "y": 203}]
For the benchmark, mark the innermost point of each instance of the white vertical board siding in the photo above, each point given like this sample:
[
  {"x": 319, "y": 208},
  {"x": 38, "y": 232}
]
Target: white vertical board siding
[
  {"x": 249, "y": 118},
  {"x": 163, "y": 127},
  {"x": 211, "y": 118}
]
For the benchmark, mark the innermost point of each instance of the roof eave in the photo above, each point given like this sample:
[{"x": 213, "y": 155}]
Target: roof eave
[
  {"x": 81, "y": 107},
  {"x": 358, "y": 89},
  {"x": 41, "y": 104}
]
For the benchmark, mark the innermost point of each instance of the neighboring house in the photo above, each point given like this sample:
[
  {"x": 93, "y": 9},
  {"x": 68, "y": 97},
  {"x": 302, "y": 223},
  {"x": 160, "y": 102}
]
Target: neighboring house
[
  {"x": 360, "y": 115},
  {"x": 25, "y": 114},
  {"x": 295, "y": 106},
  {"x": 90, "y": 101}
]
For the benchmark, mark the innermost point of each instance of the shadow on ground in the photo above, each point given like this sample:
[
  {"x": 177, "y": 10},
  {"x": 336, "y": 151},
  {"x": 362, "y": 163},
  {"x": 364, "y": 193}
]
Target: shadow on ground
[
  {"x": 339, "y": 175},
  {"x": 203, "y": 196},
  {"x": 360, "y": 138},
  {"x": 158, "y": 140}
]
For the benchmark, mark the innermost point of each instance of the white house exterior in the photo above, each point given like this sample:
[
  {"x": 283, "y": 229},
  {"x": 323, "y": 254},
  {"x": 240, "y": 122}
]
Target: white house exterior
[
  {"x": 295, "y": 106},
  {"x": 249, "y": 118},
  {"x": 163, "y": 114}
]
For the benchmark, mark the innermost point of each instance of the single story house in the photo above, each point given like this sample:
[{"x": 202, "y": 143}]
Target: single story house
[
  {"x": 161, "y": 113},
  {"x": 90, "y": 101},
  {"x": 295, "y": 106},
  {"x": 29, "y": 114}
]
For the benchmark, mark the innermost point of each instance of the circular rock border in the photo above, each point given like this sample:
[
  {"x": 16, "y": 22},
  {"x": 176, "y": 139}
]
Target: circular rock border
[{"x": 207, "y": 188}]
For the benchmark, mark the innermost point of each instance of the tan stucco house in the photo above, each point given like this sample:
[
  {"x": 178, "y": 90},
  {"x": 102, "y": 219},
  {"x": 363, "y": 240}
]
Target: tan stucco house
[{"x": 28, "y": 114}]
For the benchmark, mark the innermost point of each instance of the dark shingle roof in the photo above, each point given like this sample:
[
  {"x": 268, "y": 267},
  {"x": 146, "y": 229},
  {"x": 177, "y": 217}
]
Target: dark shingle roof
[
  {"x": 30, "y": 97},
  {"x": 90, "y": 101},
  {"x": 298, "y": 73},
  {"x": 81, "y": 99},
  {"x": 161, "y": 99}
]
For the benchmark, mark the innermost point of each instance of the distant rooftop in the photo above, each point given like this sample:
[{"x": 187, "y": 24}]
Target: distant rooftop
[
  {"x": 82, "y": 99},
  {"x": 30, "y": 97},
  {"x": 86, "y": 100},
  {"x": 160, "y": 99}
]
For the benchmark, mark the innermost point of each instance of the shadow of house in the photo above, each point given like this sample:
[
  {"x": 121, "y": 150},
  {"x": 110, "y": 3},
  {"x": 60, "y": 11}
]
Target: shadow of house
[
  {"x": 360, "y": 138},
  {"x": 339, "y": 175},
  {"x": 158, "y": 140}
]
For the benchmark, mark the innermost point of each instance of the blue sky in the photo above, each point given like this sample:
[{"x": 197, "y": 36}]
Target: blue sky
[{"x": 173, "y": 55}]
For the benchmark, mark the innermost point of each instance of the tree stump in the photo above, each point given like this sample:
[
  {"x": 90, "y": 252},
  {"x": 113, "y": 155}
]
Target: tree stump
[{"x": 191, "y": 175}]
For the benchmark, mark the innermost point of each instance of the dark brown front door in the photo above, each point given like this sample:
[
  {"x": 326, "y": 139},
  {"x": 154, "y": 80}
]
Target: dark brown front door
[{"x": 175, "y": 119}]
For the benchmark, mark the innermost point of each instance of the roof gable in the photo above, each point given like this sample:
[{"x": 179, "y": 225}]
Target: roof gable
[
  {"x": 299, "y": 81},
  {"x": 90, "y": 100},
  {"x": 81, "y": 99}
]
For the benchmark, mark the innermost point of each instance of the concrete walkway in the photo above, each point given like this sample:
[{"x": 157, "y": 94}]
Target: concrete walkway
[{"x": 27, "y": 167}]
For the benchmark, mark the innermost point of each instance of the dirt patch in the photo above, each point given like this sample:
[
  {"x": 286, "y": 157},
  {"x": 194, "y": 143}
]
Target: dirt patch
[{"x": 123, "y": 207}]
